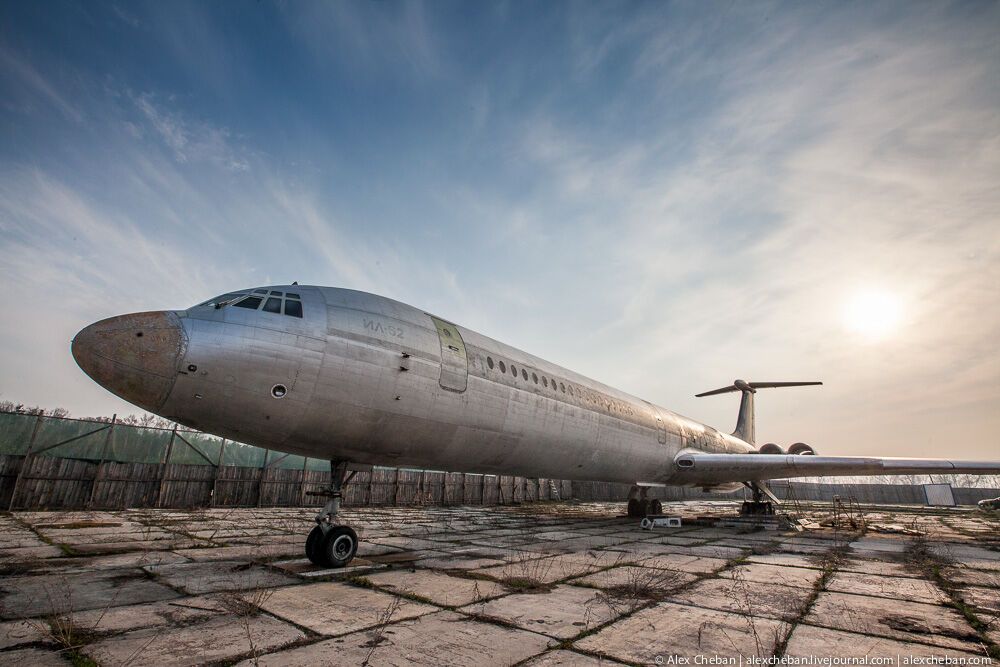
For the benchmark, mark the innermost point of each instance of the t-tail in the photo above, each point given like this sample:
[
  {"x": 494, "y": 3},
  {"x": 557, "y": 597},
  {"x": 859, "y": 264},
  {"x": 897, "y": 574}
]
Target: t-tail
[{"x": 745, "y": 422}]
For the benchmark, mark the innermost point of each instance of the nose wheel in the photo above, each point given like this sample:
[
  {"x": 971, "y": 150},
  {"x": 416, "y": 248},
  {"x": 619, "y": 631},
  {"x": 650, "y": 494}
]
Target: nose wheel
[
  {"x": 330, "y": 544},
  {"x": 335, "y": 547}
]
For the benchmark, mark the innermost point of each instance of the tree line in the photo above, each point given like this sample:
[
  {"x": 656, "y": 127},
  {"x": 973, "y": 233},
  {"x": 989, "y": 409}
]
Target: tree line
[{"x": 144, "y": 420}]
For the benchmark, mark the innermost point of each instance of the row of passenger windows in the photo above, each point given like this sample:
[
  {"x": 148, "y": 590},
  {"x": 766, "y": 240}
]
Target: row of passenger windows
[
  {"x": 558, "y": 386},
  {"x": 271, "y": 302}
]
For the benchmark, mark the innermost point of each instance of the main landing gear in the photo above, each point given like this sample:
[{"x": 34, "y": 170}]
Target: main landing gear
[
  {"x": 758, "y": 506},
  {"x": 639, "y": 506},
  {"x": 330, "y": 544}
]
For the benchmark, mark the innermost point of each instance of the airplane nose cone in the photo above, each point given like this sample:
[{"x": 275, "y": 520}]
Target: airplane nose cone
[{"x": 134, "y": 356}]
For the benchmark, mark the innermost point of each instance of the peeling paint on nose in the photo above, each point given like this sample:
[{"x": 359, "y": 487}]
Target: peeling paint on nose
[{"x": 134, "y": 356}]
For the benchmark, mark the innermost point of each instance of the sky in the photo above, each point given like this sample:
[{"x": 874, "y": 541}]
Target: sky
[{"x": 661, "y": 196}]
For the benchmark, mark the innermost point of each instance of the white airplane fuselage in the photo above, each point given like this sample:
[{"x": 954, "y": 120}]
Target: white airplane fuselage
[{"x": 370, "y": 380}]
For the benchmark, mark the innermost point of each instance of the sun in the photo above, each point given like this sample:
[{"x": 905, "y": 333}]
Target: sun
[{"x": 873, "y": 314}]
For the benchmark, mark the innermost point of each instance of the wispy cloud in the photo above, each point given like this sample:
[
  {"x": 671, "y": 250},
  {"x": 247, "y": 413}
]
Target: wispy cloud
[
  {"x": 191, "y": 140},
  {"x": 29, "y": 84}
]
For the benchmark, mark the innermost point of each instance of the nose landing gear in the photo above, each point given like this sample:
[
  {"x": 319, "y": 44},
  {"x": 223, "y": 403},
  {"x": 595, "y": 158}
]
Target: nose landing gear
[{"x": 330, "y": 544}]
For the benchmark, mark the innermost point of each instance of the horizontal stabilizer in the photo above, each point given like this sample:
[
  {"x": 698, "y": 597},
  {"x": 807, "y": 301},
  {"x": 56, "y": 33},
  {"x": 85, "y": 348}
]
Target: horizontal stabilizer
[
  {"x": 697, "y": 468},
  {"x": 740, "y": 385}
]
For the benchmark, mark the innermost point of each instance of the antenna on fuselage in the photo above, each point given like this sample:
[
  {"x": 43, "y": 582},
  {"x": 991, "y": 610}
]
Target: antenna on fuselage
[{"x": 745, "y": 421}]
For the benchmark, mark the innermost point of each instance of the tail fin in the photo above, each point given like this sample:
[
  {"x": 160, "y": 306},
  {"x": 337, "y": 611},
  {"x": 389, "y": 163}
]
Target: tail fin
[{"x": 745, "y": 422}]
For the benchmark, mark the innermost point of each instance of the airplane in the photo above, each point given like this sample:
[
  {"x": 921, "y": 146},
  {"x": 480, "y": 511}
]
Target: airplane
[{"x": 363, "y": 380}]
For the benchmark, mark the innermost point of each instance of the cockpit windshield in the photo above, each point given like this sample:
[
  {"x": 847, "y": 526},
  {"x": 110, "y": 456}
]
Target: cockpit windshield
[
  {"x": 267, "y": 300},
  {"x": 222, "y": 299}
]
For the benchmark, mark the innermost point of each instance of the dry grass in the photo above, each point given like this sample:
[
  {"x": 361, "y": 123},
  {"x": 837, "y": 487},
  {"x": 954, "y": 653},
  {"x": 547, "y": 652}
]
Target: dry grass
[
  {"x": 641, "y": 586},
  {"x": 377, "y": 634}
]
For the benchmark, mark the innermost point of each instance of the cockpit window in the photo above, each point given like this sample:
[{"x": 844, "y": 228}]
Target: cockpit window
[
  {"x": 222, "y": 299},
  {"x": 251, "y": 302},
  {"x": 270, "y": 301}
]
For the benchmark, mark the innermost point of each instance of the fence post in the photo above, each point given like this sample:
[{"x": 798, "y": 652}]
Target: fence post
[
  {"x": 218, "y": 469},
  {"x": 163, "y": 467},
  {"x": 395, "y": 489},
  {"x": 263, "y": 471},
  {"x": 444, "y": 488},
  {"x": 100, "y": 463},
  {"x": 371, "y": 487},
  {"x": 464, "y": 475},
  {"x": 24, "y": 463},
  {"x": 302, "y": 482}
]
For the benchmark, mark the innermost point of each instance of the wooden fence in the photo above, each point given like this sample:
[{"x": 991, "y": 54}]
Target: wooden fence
[{"x": 47, "y": 483}]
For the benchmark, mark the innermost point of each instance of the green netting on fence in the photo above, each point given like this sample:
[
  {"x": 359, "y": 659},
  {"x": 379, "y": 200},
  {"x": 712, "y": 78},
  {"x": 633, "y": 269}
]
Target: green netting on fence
[
  {"x": 318, "y": 464},
  {"x": 238, "y": 454},
  {"x": 197, "y": 449},
  {"x": 131, "y": 444},
  {"x": 15, "y": 432},
  {"x": 71, "y": 439},
  {"x": 127, "y": 443},
  {"x": 286, "y": 461}
]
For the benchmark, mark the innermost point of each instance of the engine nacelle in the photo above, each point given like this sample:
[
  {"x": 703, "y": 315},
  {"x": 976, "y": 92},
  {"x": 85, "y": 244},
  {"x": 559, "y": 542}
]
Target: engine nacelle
[
  {"x": 801, "y": 448},
  {"x": 770, "y": 448}
]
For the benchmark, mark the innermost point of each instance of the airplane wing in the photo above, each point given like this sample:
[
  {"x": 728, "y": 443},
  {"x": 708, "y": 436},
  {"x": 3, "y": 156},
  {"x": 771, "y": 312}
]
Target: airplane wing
[{"x": 697, "y": 468}]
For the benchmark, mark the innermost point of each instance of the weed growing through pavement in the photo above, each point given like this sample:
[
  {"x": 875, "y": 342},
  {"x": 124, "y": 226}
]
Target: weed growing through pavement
[
  {"x": 932, "y": 564},
  {"x": 377, "y": 634}
]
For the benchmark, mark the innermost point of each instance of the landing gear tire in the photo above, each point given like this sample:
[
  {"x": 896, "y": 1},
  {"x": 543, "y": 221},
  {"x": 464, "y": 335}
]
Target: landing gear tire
[
  {"x": 655, "y": 507},
  {"x": 329, "y": 544},
  {"x": 633, "y": 508},
  {"x": 314, "y": 544},
  {"x": 339, "y": 546}
]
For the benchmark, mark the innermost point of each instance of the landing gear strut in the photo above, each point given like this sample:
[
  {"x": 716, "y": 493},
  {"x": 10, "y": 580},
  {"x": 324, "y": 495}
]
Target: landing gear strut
[
  {"x": 758, "y": 506},
  {"x": 330, "y": 544}
]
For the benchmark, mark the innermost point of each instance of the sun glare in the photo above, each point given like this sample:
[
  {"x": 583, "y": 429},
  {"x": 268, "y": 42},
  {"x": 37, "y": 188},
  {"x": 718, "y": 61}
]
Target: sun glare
[{"x": 873, "y": 314}]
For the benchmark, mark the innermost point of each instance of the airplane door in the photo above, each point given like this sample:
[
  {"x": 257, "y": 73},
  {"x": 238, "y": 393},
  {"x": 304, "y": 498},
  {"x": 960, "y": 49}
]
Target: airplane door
[
  {"x": 454, "y": 361},
  {"x": 661, "y": 426},
  {"x": 661, "y": 430}
]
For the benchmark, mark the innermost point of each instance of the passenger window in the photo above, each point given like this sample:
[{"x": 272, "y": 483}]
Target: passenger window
[
  {"x": 534, "y": 376},
  {"x": 489, "y": 362},
  {"x": 272, "y": 305},
  {"x": 545, "y": 382},
  {"x": 563, "y": 387},
  {"x": 251, "y": 302},
  {"x": 503, "y": 367},
  {"x": 293, "y": 308},
  {"x": 571, "y": 390},
  {"x": 524, "y": 374},
  {"x": 513, "y": 370}
]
